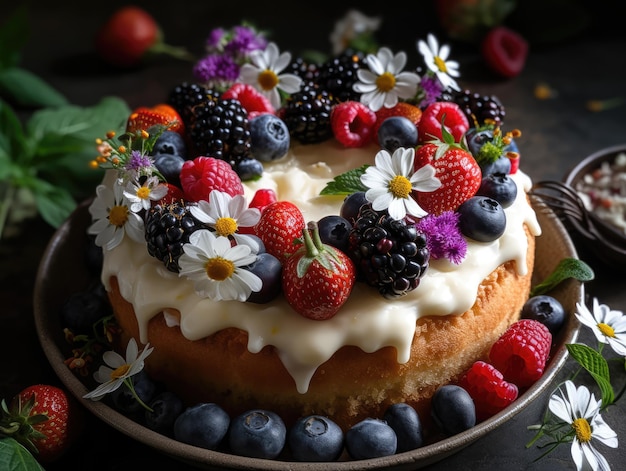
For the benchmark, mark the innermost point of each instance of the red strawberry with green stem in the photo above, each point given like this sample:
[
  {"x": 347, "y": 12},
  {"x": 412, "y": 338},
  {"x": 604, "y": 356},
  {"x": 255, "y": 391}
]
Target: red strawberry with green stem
[
  {"x": 143, "y": 118},
  {"x": 318, "y": 278},
  {"x": 457, "y": 170},
  {"x": 44, "y": 419},
  {"x": 281, "y": 224},
  {"x": 129, "y": 35}
]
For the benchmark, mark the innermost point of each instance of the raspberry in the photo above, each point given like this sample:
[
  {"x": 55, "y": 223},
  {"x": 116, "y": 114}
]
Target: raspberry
[
  {"x": 487, "y": 387},
  {"x": 504, "y": 51},
  {"x": 522, "y": 351},
  {"x": 411, "y": 112},
  {"x": 352, "y": 123},
  {"x": 251, "y": 100},
  {"x": 453, "y": 118},
  {"x": 262, "y": 197},
  {"x": 203, "y": 174}
]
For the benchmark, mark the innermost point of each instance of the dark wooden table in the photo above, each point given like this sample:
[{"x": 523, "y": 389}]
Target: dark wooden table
[{"x": 557, "y": 133}]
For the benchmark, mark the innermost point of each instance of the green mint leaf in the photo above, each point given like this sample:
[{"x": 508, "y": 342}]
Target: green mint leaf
[
  {"x": 12, "y": 140},
  {"x": 54, "y": 203},
  {"x": 346, "y": 183},
  {"x": 597, "y": 367},
  {"x": 13, "y": 35},
  {"x": 26, "y": 89},
  {"x": 14, "y": 457},
  {"x": 567, "y": 268}
]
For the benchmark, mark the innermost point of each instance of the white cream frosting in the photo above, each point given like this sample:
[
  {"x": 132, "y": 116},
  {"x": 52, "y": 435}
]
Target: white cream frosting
[{"x": 367, "y": 320}]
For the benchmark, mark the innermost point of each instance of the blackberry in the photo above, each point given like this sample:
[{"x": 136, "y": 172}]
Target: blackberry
[
  {"x": 221, "y": 129},
  {"x": 338, "y": 74},
  {"x": 307, "y": 114},
  {"x": 389, "y": 254},
  {"x": 185, "y": 96},
  {"x": 307, "y": 71},
  {"x": 478, "y": 108},
  {"x": 168, "y": 228}
]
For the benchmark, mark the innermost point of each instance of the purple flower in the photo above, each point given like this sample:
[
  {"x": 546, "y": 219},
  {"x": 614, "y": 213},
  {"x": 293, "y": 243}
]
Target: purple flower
[
  {"x": 443, "y": 236},
  {"x": 138, "y": 161},
  {"x": 432, "y": 89},
  {"x": 215, "y": 40},
  {"x": 244, "y": 41},
  {"x": 216, "y": 68}
]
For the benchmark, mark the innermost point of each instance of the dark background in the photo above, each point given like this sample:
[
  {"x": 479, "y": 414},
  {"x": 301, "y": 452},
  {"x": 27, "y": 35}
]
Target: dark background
[{"x": 577, "y": 48}]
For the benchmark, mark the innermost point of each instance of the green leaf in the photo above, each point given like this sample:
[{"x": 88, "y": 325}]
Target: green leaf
[
  {"x": 597, "y": 367},
  {"x": 13, "y": 35},
  {"x": 27, "y": 89},
  {"x": 346, "y": 183},
  {"x": 14, "y": 457},
  {"x": 567, "y": 268},
  {"x": 54, "y": 204},
  {"x": 12, "y": 140}
]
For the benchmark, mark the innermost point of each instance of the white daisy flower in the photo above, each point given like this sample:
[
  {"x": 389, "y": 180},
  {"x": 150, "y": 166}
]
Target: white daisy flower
[
  {"x": 392, "y": 180},
  {"x": 264, "y": 73},
  {"x": 609, "y": 326},
  {"x": 579, "y": 408},
  {"x": 118, "y": 369},
  {"x": 113, "y": 218},
  {"x": 216, "y": 267},
  {"x": 351, "y": 26},
  {"x": 226, "y": 214},
  {"x": 384, "y": 83},
  {"x": 141, "y": 196},
  {"x": 436, "y": 60}
]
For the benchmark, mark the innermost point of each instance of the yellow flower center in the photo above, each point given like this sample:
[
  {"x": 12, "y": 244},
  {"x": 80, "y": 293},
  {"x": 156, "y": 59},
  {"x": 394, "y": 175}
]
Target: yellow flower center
[
  {"x": 582, "y": 429},
  {"x": 143, "y": 193},
  {"x": 219, "y": 268},
  {"x": 441, "y": 64},
  {"x": 267, "y": 80},
  {"x": 400, "y": 186},
  {"x": 118, "y": 215},
  {"x": 386, "y": 82},
  {"x": 226, "y": 226},
  {"x": 120, "y": 371},
  {"x": 606, "y": 329}
]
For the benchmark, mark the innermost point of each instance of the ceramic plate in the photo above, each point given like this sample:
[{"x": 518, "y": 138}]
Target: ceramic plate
[{"x": 62, "y": 271}]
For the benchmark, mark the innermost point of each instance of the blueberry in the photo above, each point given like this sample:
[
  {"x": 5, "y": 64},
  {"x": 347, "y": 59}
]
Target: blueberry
[
  {"x": 371, "y": 438},
  {"x": 476, "y": 138},
  {"x": 169, "y": 165},
  {"x": 482, "y": 219},
  {"x": 170, "y": 142},
  {"x": 545, "y": 309},
  {"x": 269, "y": 137},
  {"x": 315, "y": 438},
  {"x": 83, "y": 309},
  {"x": 405, "y": 421},
  {"x": 500, "y": 187},
  {"x": 501, "y": 165},
  {"x": 351, "y": 206},
  {"x": 335, "y": 230},
  {"x": 249, "y": 169},
  {"x": 166, "y": 407},
  {"x": 269, "y": 269},
  {"x": 453, "y": 409},
  {"x": 257, "y": 434},
  {"x": 204, "y": 425},
  {"x": 397, "y": 131},
  {"x": 125, "y": 401}
]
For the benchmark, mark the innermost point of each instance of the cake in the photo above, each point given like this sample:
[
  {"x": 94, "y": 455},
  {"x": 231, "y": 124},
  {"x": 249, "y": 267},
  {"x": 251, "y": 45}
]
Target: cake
[{"x": 380, "y": 345}]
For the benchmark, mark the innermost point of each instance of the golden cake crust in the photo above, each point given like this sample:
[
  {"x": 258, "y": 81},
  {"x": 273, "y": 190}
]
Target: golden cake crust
[{"x": 352, "y": 384}]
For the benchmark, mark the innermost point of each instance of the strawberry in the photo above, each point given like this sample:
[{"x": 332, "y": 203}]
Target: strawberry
[
  {"x": 445, "y": 113},
  {"x": 352, "y": 123},
  {"x": 173, "y": 194},
  {"x": 411, "y": 112},
  {"x": 200, "y": 176},
  {"x": 143, "y": 118},
  {"x": 128, "y": 35},
  {"x": 281, "y": 223},
  {"x": 250, "y": 98},
  {"x": 457, "y": 170},
  {"x": 318, "y": 278},
  {"x": 44, "y": 419},
  {"x": 504, "y": 51}
]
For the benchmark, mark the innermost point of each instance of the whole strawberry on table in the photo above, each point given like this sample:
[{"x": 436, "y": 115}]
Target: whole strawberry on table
[{"x": 37, "y": 427}]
